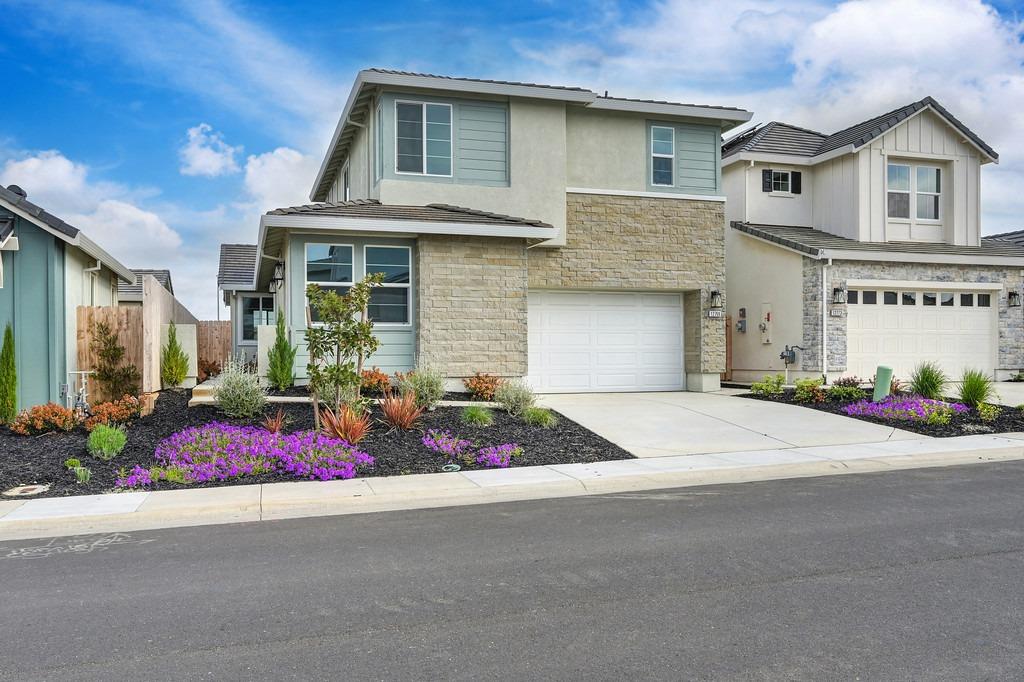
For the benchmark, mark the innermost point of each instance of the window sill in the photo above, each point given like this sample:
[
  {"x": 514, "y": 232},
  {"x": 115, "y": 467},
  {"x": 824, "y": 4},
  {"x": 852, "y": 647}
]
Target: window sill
[{"x": 782, "y": 195}]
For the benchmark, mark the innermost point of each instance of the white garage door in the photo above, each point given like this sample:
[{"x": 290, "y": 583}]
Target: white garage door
[
  {"x": 605, "y": 341},
  {"x": 899, "y": 329}
]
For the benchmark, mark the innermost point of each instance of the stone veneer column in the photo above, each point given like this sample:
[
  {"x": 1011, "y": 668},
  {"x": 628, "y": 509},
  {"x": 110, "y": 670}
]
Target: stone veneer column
[{"x": 471, "y": 305}]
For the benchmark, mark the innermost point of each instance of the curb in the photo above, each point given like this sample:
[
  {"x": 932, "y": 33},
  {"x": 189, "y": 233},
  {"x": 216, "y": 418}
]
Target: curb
[{"x": 51, "y": 517}]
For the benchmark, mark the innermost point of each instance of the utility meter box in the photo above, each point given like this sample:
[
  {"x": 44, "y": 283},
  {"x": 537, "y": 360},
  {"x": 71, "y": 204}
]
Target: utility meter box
[{"x": 765, "y": 325}]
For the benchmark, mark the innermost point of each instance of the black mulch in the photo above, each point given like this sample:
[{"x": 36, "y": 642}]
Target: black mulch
[
  {"x": 967, "y": 424},
  {"x": 40, "y": 459}
]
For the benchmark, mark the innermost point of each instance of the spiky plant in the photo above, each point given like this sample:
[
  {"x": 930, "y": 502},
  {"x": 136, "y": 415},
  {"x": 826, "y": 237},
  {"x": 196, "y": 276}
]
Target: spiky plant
[
  {"x": 976, "y": 388},
  {"x": 928, "y": 381},
  {"x": 8, "y": 379}
]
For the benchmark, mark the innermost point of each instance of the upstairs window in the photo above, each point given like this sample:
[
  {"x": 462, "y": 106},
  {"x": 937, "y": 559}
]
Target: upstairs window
[
  {"x": 909, "y": 186},
  {"x": 781, "y": 181},
  {"x": 663, "y": 155},
  {"x": 423, "y": 138}
]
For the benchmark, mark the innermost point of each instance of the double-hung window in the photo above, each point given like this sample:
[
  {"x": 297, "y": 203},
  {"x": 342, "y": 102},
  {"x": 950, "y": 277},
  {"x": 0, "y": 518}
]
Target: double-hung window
[
  {"x": 663, "y": 155},
  {"x": 389, "y": 303},
  {"x": 919, "y": 187},
  {"x": 330, "y": 267},
  {"x": 780, "y": 181},
  {"x": 423, "y": 138},
  {"x": 256, "y": 312}
]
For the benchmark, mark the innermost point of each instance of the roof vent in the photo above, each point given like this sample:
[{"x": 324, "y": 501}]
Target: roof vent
[{"x": 17, "y": 190}]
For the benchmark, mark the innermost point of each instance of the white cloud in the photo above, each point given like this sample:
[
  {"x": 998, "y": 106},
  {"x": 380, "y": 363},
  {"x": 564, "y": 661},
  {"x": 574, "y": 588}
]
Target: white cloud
[
  {"x": 206, "y": 153},
  {"x": 279, "y": 178}
]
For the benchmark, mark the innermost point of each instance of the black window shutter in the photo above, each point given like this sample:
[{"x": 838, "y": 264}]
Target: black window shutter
[
  {"x": 794, "y": 182},
  {"x": 766, "y": 180}
]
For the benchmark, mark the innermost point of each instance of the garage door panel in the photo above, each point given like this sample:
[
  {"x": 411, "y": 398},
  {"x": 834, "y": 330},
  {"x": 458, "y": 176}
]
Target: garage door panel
[
  {"x": 903, "y": 336},
  {"x": 605, "y": 341}
]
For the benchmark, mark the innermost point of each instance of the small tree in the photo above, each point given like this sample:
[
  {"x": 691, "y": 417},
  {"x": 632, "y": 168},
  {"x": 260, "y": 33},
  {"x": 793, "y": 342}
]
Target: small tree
[
  {"x": 116, "y": 381},
  {"x": 339, "y": 346},
  {"x": 173, "y": 360},
  {"x": 281, "y": 359},
  {"x": 8, "y": 379}
]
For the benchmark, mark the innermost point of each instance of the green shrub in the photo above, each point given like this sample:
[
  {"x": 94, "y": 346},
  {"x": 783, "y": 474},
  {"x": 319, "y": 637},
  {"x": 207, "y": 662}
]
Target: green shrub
[
  {"x": 928, "y": 381},
  {"x": 72, "y": 463},
  {"x": 115, "y": 380},
  {"x": 8, "y": 379},
  {"x": 845, "y": 393},
  {"x": 281, "y": 359},
  {"x": 975, "y": 388},
  {"x": 514, "y": 396},
  {"x": 106, "y": 442},
  {"x": 82, "y": 474},
  {"x": 539, "y": 416},
  {"x": 239, "y": 393},
  {"x": 809, "y": 391},
  {"x": 478, "y": 416},
  {"x": 426, "y": 382},
  {"x": 173, "y": 360},
  {"x": 939, "y": 416},
  {"x": 770, "y": 386},
  {"x": 848, "y": 382},
  {"x": 988, "y": 412}
]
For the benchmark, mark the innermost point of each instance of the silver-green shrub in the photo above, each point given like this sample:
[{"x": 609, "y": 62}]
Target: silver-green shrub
[
  {"x": 515, "y": 396},
  {"x": 427, "y": 383},
  {"x": 239, "y": 393}
]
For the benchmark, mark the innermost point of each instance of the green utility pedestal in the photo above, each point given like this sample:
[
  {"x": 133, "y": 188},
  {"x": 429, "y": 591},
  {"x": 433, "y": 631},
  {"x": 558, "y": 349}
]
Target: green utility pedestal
[{"x": 883, "y": 381}]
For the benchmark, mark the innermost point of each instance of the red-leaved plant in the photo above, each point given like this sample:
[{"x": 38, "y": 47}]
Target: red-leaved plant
[
  {"x": 275, "y": 423},
  {"x": 349, "y": 424},
  {"x": 400, "y": 411}
]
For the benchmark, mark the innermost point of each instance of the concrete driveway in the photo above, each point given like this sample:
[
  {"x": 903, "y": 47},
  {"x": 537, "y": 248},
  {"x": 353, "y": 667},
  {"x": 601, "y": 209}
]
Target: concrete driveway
[{"x": 660, "y": 424}]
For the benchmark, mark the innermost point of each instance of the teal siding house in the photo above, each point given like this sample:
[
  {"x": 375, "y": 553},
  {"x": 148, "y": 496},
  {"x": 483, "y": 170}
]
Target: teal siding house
[{"x": 47, "y": 269}]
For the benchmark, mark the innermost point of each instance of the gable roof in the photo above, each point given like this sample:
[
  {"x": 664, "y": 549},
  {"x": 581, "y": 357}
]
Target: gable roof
[
  {"x": 355, "y": 114},
  {"x": 14, "y": 198},
  {"x": 820, "y": 244},
  {"x": 237, "y": 266},
  {"x": 371, "y": 208},
  {"x": 132, "y": 291},
  {"x": 781, "y": 138},
  {"x": 1003, "y": 238}
]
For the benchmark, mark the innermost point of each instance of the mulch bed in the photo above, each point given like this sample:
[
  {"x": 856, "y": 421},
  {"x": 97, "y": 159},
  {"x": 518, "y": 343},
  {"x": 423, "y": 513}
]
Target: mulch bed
[
  {"x": 40, "y": 459},
  {"x": 968, "y": 424}
]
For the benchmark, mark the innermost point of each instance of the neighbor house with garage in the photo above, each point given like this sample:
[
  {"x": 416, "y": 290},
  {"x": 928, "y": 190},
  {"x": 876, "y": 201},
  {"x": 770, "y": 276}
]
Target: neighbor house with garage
[
  {"x": 863, "y": 248},
  {"x": 47, "y": 269},
  {"x": 524, "y": 230}
]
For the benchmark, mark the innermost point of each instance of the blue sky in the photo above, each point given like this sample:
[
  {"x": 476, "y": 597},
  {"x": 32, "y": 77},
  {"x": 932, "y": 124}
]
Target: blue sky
[{"x": 163, "y": 129}]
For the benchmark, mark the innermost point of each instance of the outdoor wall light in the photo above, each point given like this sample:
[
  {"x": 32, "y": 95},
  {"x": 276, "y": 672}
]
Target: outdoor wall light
[
  {"x": 838, "y": 296},
  {"x": 1013, "y": 298},
  {"x": 279, "y": 271},
  {"x": 715, "y": 300}
]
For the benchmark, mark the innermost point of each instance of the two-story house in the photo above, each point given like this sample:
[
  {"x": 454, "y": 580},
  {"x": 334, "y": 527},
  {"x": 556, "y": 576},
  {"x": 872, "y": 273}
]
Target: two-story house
[
  {"x": 864, "y": 248},
  {"x": 524, "y": 230}
]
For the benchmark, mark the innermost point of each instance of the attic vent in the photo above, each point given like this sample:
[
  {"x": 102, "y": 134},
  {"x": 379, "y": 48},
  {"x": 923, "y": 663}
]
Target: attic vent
[{"x": 17, "y": 190}]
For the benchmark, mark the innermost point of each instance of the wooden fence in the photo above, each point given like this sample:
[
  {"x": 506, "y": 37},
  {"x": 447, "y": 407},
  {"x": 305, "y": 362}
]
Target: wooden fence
[
  {"x": 214, "y": 340},
  {"x": 125, "y": 322}
]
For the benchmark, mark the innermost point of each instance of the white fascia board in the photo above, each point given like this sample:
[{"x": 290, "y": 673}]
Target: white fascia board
[
  {"x": 733, "y": 116},
  {"x": 912, "y": 284},
  {"x": 788, "y": 159},
  {"x": 637, "y": 193},
  {"x": 476, "y": 87},
  {"x": 81, "y": 241},
  {"x": 406, "y": 227},
  {"x": 353, "y": 96},
  {"x": 937, "y": 258}
]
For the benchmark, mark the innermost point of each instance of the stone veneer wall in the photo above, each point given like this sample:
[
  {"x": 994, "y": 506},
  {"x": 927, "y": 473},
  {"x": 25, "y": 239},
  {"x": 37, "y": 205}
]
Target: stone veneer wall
[
  {"x": 644, "y": 243},
  {"x": 1010, "y": 322},
  {"x": 471, "y": 305}
]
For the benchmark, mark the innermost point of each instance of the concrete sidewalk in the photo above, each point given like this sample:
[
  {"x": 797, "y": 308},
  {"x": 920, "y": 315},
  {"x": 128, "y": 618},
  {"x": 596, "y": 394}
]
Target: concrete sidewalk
[{"x": 126, "y": 511}]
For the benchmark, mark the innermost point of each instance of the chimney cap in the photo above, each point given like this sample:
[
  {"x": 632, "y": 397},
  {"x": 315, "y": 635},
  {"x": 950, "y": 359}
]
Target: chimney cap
[{"x": 17, "y": 190}]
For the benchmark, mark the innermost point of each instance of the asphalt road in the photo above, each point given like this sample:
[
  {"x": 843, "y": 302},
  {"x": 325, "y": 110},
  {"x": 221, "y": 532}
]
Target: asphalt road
[{"x": 907, "y": 575}]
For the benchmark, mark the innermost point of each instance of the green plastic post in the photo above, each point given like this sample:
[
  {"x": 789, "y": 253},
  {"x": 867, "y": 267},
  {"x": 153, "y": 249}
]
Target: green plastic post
[{"x": 883, "y": 381}]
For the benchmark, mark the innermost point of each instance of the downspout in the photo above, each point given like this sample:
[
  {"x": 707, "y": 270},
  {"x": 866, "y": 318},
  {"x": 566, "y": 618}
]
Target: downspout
[{"x": 824, "y": 319}]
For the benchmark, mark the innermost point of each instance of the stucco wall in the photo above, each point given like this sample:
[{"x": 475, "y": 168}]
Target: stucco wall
[
  {"x": 1010, "y": 354},
  {"x": 644, "y": 243},
  {"x": 471, "y": 305},
  {"x": 776, "y": 208}
]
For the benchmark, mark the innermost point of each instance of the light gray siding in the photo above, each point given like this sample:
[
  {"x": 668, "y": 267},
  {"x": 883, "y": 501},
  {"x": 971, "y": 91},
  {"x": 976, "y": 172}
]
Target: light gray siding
[{"x": 698, "y": 162}]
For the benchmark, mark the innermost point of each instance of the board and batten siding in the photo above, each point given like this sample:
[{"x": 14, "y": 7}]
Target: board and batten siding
[
  {"x": 397, "y": 347},
  {"x": 32, "y": 302},
  {"x": 480, "y": 141},
  {"x": 835, "y": 196},
  {"x": 928, "y": 135}
]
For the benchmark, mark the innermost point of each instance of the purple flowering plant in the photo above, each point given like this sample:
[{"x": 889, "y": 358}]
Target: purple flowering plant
[
  {"x": 907, "y": 408},
  {"x": 453, "y": 447},
  {"x": 217, "y": 452}
]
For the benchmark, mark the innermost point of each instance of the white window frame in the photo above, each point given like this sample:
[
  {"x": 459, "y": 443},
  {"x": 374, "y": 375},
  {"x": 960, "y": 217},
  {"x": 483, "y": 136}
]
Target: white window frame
[
  {"x": 394, "y": 285},
  {"x": 671, "y": 156},
  {"x": 909, "y": 192},
  {"x": 789, "y": 182},
  {"x": 242, "y": 341},
  {"x": 451, "y": 138},
  {"x": 379, "y": 147},
  {"x": 929, "y": 221},
  {"x": 305, "y": 275},
  {"x": 346, "y": 184}
]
